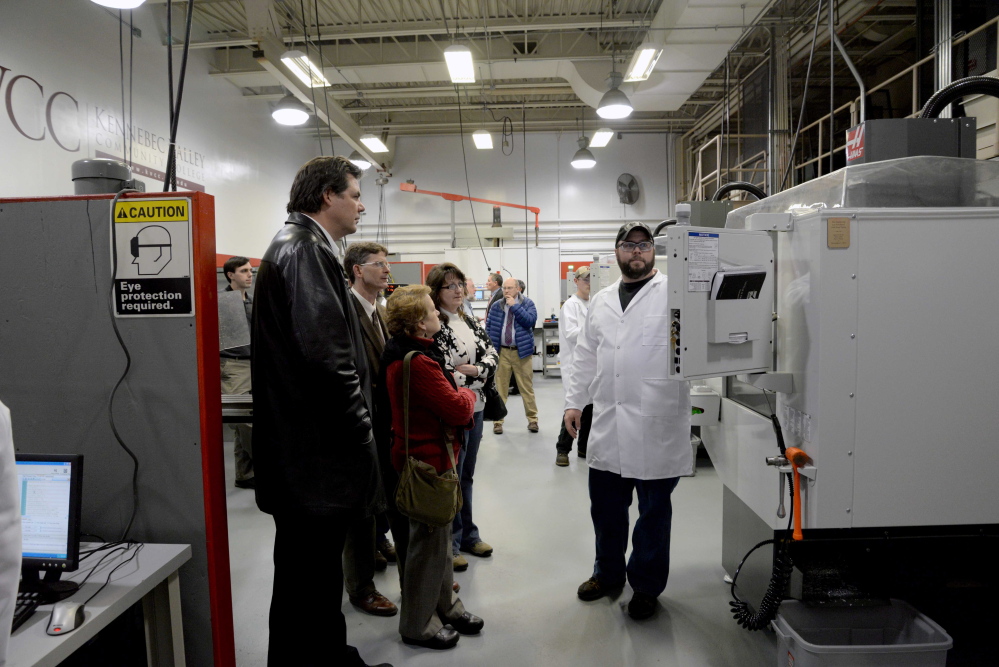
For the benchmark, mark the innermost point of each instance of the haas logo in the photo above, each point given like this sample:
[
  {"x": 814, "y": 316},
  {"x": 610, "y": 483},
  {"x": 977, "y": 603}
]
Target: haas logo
[{"x": 854, "y": 144}]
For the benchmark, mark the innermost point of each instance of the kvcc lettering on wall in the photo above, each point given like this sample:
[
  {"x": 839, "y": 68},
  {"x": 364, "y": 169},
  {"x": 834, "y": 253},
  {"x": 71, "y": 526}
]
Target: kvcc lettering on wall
[
  {"x": 40, "y": 114},
  {"x": 153, "y": 254}
]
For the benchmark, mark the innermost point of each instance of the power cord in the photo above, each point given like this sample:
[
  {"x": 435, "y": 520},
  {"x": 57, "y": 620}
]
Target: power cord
[{"x": 128, "y": 366}]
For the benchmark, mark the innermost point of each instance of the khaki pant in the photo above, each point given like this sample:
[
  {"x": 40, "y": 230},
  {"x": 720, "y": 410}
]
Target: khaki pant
[
  {"x": 236, "y": 380},
  {"x": 510, "y": 363}
]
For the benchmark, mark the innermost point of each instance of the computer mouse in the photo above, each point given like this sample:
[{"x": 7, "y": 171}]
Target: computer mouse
[{"x": 67, "y": 615}]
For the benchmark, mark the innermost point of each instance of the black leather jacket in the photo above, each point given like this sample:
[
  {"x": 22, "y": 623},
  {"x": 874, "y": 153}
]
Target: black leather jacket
[{"x": 313, "y": 450}]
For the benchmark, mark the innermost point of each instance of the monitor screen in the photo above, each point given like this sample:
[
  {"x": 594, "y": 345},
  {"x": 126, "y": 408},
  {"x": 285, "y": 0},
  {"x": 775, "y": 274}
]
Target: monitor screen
[
  {"x": 50, "y": 493},
  {"x": 480, "y": 294}
]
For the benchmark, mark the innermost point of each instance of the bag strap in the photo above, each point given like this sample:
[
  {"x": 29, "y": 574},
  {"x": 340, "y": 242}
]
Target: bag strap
[
  {"x": 406, "y": 363},
  {"x": 448, "y": 438}
]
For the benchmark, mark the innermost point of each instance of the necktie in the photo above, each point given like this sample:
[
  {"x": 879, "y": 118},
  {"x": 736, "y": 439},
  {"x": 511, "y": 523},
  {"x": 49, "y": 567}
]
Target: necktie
[
  {"x": 378, "y": 326},
  {"x": 508, "y": 333}
]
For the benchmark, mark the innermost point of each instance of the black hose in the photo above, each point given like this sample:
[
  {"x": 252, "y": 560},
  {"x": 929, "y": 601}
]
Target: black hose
[
  {"x": 739, "y": 185},
  {"x": 972, "y": 85},
  {"x": 663, "y": 225}
]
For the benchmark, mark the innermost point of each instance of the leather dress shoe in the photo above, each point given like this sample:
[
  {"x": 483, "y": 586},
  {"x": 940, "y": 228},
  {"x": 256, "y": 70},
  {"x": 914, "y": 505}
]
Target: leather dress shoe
[
  {"x": 466, "y": 624},
  {"x": 375, "y": 604},
  {"x": 445, "y": 638},
  {"x": 387, "y": 549},
  {"x": 380, "y": 561}
]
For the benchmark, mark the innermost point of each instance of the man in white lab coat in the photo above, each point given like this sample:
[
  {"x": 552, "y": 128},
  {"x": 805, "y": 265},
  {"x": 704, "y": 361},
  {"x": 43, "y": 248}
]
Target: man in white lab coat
[
  {"x": 569, "y": 324},
  {"x": 640, "y": 437}
]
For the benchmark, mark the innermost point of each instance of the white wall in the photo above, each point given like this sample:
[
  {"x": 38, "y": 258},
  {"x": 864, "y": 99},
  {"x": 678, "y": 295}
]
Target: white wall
[{"x": 70, "y": 49}]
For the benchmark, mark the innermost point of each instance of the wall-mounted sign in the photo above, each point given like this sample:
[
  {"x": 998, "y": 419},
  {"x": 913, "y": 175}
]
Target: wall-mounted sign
[{"x": 152, "y": 245}]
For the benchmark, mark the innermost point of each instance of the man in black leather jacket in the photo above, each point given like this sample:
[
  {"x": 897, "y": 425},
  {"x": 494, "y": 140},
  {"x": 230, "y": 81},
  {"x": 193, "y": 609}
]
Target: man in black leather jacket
[{"x": 314, "y": 453}]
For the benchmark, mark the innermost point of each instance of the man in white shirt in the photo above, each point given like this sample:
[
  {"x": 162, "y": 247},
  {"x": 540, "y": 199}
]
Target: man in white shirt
[
  {"x": 569, "y": 324},
  {"x": 640, "y": 437},
  {"x": 10, "y": 531}
]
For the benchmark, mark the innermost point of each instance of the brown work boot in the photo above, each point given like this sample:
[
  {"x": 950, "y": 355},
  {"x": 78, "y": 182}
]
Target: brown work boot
[
  {"x": 532, "y": 426},
  {"x": 498, "y": 428}
]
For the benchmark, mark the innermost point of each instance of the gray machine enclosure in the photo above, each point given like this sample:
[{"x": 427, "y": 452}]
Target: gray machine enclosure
[
  {"x": 890, "y": 342},
  {"x": 893, "y": 138}
]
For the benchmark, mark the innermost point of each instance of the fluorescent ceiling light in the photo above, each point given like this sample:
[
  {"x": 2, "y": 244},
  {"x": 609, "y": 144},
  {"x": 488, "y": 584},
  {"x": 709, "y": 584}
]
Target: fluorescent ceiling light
[
  {"x": 459, "y": 64},
  {"x": 359, "y": 161},
  {"x": 290, "y": 111},
  {"x": 374, "y": 144},
  {"x": 601, "y": 138},
  {"x": 118, "y": 4},
  {"x": 583, "y": 159},
  {"x": 302, "y": 67},
  {"x": 483, "y": 140},
  {"x": 643, "y": 62}
]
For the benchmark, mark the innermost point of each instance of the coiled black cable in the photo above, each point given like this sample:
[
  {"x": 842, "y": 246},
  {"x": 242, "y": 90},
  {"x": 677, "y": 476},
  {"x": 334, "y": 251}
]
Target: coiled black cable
[
  {"x": 783, "y": 565},
  {"x": 739, "y": 185},
  {"x": 972, "y": 85}
]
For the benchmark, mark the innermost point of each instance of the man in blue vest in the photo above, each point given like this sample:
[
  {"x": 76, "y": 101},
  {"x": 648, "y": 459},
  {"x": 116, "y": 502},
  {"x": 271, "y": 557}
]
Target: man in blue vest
[{"x": 511, "y": 327}]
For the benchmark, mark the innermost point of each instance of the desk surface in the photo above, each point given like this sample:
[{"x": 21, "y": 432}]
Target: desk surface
[{"x": 31, "y": 646}]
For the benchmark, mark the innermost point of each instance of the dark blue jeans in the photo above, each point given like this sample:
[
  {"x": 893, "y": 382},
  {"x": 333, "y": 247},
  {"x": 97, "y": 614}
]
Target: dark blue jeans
[
  {"x": 464, "y": 532},
  {"x": 610, "y": 497}
]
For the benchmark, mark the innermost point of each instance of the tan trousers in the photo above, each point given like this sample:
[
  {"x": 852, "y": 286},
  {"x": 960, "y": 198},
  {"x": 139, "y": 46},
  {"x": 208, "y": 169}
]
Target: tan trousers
[
  {"x": 236, "y": 380},
  {"x": 510, "y": 363}
]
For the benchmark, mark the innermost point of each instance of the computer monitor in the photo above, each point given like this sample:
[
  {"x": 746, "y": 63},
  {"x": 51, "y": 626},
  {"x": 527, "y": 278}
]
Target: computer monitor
[{"x": 50, "y": 487}]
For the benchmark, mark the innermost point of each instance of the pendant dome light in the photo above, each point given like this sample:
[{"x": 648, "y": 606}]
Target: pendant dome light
[
  {"x": 290, "y": 111},
  {"x": 583, "y": 159},
  {"x": 614, "y": 104}
]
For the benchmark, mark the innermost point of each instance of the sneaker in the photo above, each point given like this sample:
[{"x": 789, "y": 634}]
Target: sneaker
[
  {"x": 642, "y": 606},
  {"x": 497, "y": 428},
  {"x": 532, "y": 426},
  {"x": 460, "y": 564},
  {"x": 480, "y": 549},
  {"x": 562, "y": 459}
]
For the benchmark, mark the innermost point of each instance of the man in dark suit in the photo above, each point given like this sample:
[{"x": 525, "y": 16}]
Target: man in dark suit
[
  {"x": 314, "y": 451},
  {"x": 368, "y": 271}
]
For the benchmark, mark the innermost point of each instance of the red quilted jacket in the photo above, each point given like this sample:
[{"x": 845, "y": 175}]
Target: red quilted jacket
[{"x": 434, "y": 403}]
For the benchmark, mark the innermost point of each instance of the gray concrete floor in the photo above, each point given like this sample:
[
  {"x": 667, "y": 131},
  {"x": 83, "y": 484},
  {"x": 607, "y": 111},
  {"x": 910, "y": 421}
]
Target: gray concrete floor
[{"x": 536, "y": 516}]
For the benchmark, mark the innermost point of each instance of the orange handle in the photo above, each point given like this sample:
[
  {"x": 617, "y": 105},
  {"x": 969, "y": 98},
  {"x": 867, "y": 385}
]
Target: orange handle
[{"x": 797, "y": 535}]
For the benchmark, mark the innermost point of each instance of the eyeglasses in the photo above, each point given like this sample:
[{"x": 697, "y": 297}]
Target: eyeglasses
[
  {"x": 454, "y": 287},
  {"x": 644, "y": 246},
  {"x": 380, "y": 265}
]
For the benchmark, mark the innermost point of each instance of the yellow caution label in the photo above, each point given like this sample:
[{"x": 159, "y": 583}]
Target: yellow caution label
[{"x": 152, "y": 210}]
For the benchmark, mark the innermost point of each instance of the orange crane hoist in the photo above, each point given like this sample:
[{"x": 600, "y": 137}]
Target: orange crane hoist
[{"x": 411, "y": 187}]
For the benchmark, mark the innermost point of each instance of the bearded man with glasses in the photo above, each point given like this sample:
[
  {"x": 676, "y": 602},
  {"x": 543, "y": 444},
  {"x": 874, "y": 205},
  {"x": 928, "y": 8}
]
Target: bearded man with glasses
[{"x": 640, "y": 435}]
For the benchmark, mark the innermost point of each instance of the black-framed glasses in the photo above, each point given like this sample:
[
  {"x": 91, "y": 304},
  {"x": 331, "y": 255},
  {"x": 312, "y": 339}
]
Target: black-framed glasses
[
  {"x": 644, "y": 246},
  {"x": 380, "y": 265}
]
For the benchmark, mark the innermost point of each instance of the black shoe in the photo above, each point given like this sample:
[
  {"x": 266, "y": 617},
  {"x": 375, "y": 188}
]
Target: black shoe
[
  {"x": 593, "y": 589},
  {"x": 250, "y": 483},
  {"x": 380, "y": 561},
  {"x": 642, "y": 606},
  {"x": 466, "y": 624},
  {"x": 445, "y": 638},
  {"x": 581, "y": 455}
]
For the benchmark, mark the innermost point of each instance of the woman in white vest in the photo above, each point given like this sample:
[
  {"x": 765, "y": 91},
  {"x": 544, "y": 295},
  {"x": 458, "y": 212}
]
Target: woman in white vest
[{"x": 640, "y": 437}]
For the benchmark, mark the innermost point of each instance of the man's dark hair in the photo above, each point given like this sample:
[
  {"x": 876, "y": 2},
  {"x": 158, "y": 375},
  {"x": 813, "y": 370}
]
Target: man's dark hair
[
  {"x": 231, "y": 265},
  {"x": 358, "y": 253},
  {"x": 316, "y": 177},
  {"x": 437, "y": 279},
  {"x": 496, "y": 278}
]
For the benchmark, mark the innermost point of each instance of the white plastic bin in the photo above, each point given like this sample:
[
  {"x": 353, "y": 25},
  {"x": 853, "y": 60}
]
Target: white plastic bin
[{"x": 895, "y": 634}]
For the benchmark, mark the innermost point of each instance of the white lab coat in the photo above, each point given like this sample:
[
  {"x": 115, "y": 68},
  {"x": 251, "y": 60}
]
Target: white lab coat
[
  {"x": 10, "y": 531},
  {"x": 641, "y": 418},
  {"x": 573, "y": 315}
]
